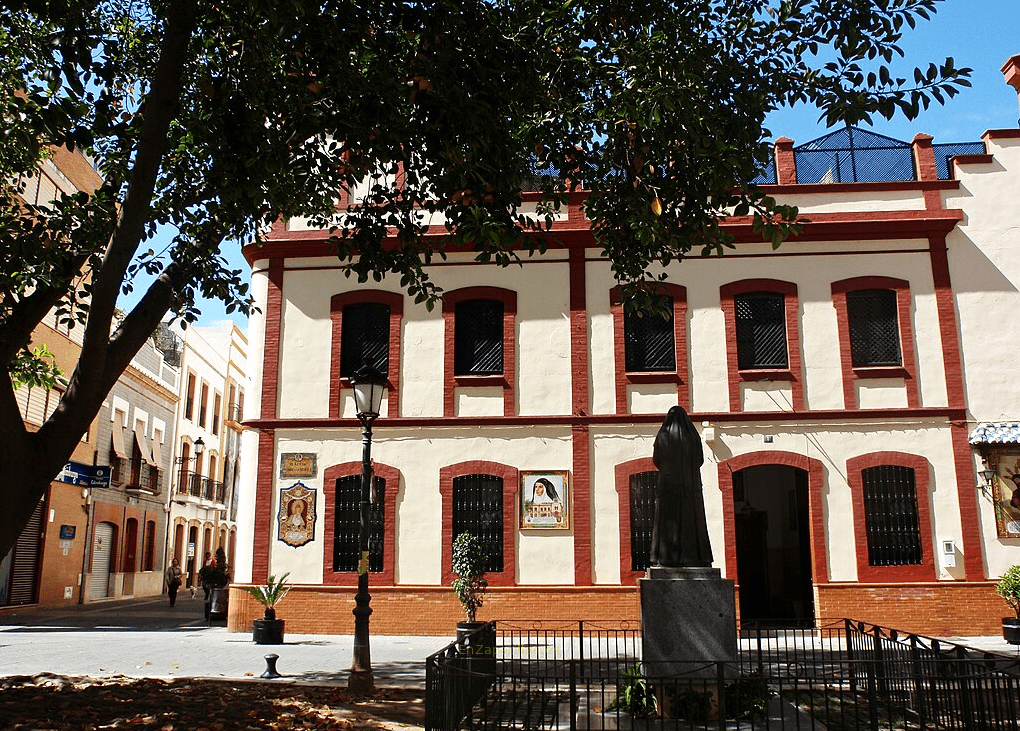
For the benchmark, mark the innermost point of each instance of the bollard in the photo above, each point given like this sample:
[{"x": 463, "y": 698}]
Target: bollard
[{"x": 270, "y": 672}]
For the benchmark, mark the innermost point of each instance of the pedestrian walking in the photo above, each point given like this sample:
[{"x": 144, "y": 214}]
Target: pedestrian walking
[{"x": 173, "y": 580}]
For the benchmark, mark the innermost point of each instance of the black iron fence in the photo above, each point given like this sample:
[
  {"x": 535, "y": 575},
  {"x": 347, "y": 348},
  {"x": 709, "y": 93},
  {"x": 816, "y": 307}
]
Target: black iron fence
[{"x": 843, "y": 675}]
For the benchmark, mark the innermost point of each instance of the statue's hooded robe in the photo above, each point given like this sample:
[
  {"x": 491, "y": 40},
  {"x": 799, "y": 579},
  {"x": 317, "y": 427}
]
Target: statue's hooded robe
[{"x": 680, "y": 532}]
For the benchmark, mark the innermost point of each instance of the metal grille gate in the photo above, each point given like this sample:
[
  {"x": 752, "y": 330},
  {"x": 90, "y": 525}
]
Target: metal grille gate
[
  {"x": 890, "y": 513},
  {"x": 642, "y": 518},
  {"x": 346, "y": 550},
  {"x": 478, "y": 509}
]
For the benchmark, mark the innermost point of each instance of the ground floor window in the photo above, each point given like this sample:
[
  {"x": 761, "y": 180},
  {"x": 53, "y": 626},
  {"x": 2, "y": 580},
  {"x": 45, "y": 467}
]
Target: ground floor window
[
  {"x": 346, "y": 531},
  {"x": 642, "y": 518},
  {"x": 891, "y": 515},
  {"x": 478, "y": 509}
]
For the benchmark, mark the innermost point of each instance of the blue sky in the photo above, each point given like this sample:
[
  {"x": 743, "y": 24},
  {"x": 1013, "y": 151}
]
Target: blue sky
[{"x": 980, "y": 34}]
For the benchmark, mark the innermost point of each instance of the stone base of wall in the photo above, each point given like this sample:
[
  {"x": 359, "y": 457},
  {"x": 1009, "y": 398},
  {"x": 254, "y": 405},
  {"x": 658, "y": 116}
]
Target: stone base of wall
[
  {"x": 934, "y": 609},
  {"x": 428, "y": 610},
  {"x": 940, "y": 609}
]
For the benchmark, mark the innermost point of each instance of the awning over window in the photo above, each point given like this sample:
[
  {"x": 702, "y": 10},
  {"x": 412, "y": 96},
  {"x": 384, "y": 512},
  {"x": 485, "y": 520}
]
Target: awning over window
[
  {"x": 157, "y": 454},
  {"x": 143, "y": 447},
  {"x": 996, "y": 432},
  {"x": 118, "y": 442}
]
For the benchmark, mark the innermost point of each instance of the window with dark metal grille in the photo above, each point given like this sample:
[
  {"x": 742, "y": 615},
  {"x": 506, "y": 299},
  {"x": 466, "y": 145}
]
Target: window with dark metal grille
[
  {"x": 761, "y": 330},
  {"x": 478, "y": 338},
  {"x": 365, "y": 338},
  {"x": 890, "y": 515},
  {"x": 649, "y": 341},
  {"x": 642, "y": 518},
  {"x": 346, "y": 549},
  {"x": 478, "y": 509},
  {"x": 874, "y": 328}
]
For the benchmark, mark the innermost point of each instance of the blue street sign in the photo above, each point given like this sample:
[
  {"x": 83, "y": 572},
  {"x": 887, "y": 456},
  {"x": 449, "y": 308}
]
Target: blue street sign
[{"x": 76, "y": 473}]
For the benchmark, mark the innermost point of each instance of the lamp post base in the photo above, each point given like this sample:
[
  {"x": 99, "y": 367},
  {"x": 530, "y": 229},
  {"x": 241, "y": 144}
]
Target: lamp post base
[{"x": 361, "y": 682}]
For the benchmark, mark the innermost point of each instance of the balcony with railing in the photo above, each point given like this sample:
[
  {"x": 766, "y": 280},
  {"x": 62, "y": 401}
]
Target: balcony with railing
[
  {"x": 136, "y": 475},
  {"x": 192, "y": 484}
]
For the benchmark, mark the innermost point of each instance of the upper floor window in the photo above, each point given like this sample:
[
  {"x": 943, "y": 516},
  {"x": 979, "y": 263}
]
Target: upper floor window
[
  {"x": 874, "y": 328},
  {"x": 217, "y": 403},
  {"x": 189, "y": 400},
  {"x": 203, "y": 405},
  {"x": 649, "y": 339},
  {"x": 478, "y": 338},
  {"x": 761, "y": 330},
  {"x": 891, "y": 515},
  {"x": 365, "y": 330},
  {"x": 365, "y": 338}
]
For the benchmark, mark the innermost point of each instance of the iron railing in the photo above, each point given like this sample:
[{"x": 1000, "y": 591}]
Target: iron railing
[
  {"x": 840, "y": 675},
  {"x": 199, "y": 486}
]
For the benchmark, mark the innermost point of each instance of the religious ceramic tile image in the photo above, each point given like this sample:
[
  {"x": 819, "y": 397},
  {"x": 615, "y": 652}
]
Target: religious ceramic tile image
[
  {"x": 545, "y": 500},
  {"x": 1006, "y": 491},
  {"x": 297, "y": 515}
]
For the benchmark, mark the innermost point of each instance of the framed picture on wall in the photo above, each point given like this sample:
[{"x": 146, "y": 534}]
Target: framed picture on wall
[
  {"x": 1006, "y": 491},
  {"x": 545, "y": 500}
]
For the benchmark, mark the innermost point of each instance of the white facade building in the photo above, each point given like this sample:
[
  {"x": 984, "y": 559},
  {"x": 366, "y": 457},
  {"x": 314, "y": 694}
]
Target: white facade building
[{"x": 837, "y": 383}]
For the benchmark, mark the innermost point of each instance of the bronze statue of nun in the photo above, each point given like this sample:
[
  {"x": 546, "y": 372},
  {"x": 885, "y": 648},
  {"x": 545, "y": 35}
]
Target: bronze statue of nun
[{"x": 680, "y": 532}]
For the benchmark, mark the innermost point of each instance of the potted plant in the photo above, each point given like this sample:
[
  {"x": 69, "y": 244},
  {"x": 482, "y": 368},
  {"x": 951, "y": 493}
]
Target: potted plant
[
  {"x": 216, "y": 576},
  {"x": 1008, "y": 588},
  {"x": 269, "y": 629},
  {"x": 469, "y": 563}
]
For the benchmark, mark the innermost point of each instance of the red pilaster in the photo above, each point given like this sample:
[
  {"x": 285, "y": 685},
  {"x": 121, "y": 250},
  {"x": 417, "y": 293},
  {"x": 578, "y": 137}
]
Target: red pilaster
[{"x": 582, "y": 505}]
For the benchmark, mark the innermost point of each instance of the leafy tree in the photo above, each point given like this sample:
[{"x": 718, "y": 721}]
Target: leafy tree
[{"x": 214, "y": 119}]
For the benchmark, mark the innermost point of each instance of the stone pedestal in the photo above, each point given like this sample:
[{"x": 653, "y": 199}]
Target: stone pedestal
[{"x": 688, "y": 617}]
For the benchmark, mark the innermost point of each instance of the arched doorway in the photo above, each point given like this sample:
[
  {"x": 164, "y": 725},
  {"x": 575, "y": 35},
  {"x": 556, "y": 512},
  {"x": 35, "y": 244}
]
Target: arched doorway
[{"x": 771, "y": 522}]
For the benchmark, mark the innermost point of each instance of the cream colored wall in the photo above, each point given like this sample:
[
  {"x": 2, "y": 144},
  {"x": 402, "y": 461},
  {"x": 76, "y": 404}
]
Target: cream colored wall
[
  {"x": 543, "y": 557},
  {"x": 985, "y": 271}
]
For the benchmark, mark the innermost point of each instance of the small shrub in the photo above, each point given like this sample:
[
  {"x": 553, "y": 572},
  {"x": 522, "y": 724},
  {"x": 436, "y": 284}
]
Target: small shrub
[
  {"x": 1008, "y": 587},
  {"x": 634, "y": 695},
  {"x": 748, "y": 697}
]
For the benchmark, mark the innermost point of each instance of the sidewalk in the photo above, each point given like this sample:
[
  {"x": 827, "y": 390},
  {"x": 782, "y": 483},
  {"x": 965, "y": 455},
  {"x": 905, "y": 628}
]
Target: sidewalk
[{"x": 147, "y": 638}]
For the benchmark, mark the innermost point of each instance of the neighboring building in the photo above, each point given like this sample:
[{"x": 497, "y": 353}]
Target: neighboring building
[
  {"x": 46, "y": 565},
  {"x": 203, "y": 509},
  {"x": 836, "y": 382},
  {"x": 135, "y": 437}
]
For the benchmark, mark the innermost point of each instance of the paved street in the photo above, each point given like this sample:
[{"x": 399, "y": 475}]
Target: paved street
[{"x": 148, "y": 638}]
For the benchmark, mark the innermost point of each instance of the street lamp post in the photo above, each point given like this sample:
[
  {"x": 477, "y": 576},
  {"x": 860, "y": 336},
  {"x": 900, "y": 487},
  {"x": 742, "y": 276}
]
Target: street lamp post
[{"x": 369, "y": 389}]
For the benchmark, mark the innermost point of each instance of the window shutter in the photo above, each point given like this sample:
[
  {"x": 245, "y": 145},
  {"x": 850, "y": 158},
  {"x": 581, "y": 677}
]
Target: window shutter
[
  {"x": 874, "y": 328},
  {"x": 761, "y": 331},
  {"x": 365, "y": 338},
  {"x": 890, "y": 515},
  {"x": 347, "y": 522},
  {"x": 478, "y": 337},
  {"x": 649, "y": 341},
  {"x": 642, "y": 518}
]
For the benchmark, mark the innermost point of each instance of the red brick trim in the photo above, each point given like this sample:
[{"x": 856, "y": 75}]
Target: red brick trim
[
  {"x": 511, "y": 486},
  {"x": 816, "y": 483},
  {"x": 680, "y": 376},
  {"x": 337, "y": 303},
  {"x": 580, "y": 367},
  {"x": 271, "y": 343},
  {"x": 263, "y": 506},
  {"x": 925, "y": 571},
  {"x": 1001, "y": 134},
  {"x": 394, "y": 489},
  {"x": 624, "y": 471},
  {"x": 851, "y": 375},
  {"x": 948, "y": 326},
  {"x": 509, "y": 299},
  {"x": 970, "y": 518},
  {"x": 581, "y": 486},
  {"x": 727, "y": 293}
]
